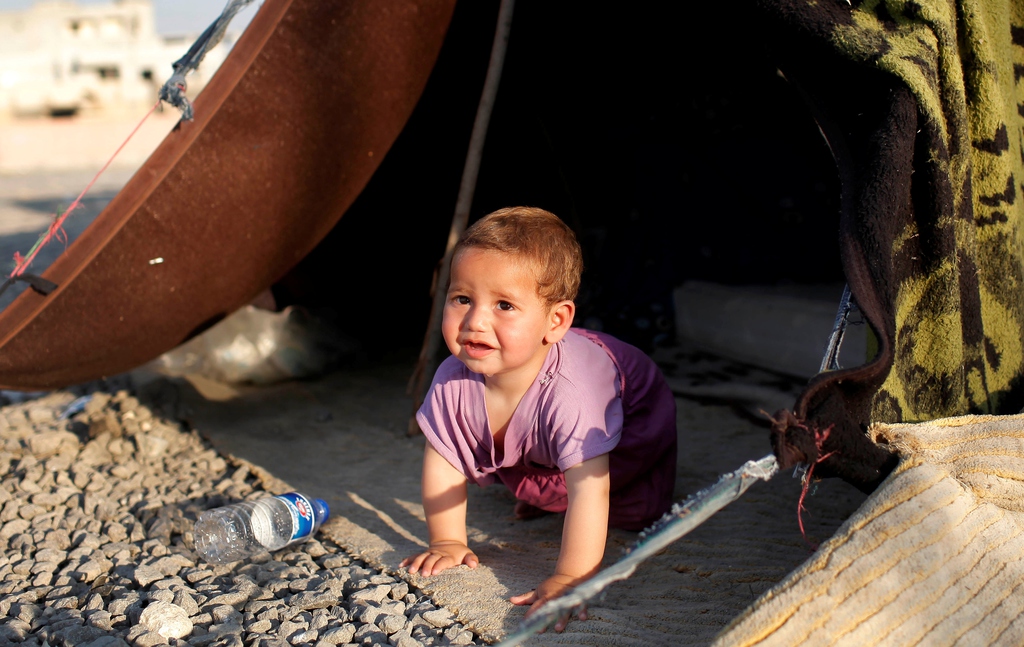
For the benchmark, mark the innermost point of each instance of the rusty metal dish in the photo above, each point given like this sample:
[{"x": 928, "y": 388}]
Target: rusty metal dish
[{"x": 286, "y": 136}]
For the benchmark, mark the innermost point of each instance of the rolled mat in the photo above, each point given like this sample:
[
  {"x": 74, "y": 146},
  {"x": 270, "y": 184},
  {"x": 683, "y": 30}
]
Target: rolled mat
[{"x": 935, "y": 556}]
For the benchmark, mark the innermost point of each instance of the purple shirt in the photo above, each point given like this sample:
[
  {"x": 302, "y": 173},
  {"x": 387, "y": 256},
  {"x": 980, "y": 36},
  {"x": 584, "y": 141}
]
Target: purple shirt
[{"x": 594, "y": 395}]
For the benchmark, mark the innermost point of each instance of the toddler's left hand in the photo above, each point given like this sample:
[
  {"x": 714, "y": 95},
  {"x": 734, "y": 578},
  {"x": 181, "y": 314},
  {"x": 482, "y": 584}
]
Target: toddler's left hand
[{"x": 550, "y": 589}]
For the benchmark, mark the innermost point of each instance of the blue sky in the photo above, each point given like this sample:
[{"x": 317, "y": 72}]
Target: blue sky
[{"x": 172, "y": 16}]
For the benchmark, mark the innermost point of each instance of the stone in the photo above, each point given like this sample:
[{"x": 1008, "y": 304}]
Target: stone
[
  {"x": 99, "y": 619},
  {"x": 404, "y": 639},
  {"x": 227, "y": 629},
  {"x": 198, "y": 575},
  {"x": 61, "y": 621},
  {"x": 339, "y": 635},
  {"x": 13, "y": 527},
  {"x": 73, "y": 636},
  {"x": 89, "y": 570},
  {"x": 370, "y": 634},
  {"x": 303, "y": 637},
  {"x": 116, "y": 531},
  {"x": 393, "y": 607},
  {"x": 287, "y": 628},
  {"x": 86, "y": 539},
  {"x": 50, "y": 555},
  {"x": 119, "y": 606},
  {"x": 202, "y": 619},
  {"x": 39, "y": 414},
  {"x": 105, "y": 641},
  {"x": 336, "y": 561},
  {"x": 233, "y": 598},
  {"x": 202, "y": 639},
  {"x": 263, "y": 608},
  {"x": 375, "y": 594},
  {"x": 59, "y": 539},
  {"x": 314, "y": 548},
  {"x": 399, "y": 590},
  {"x": 47, "y": 443},
  {"x": 23, "y": 567},
  {"x": 392, "y": 624},
  {"x": 160, "y": 595},
  {"x": 151, "y": 446},
  {"x": 167, "y": 619},
  {"x": 136, "y": 631},
  {"x": 171, "y": 564},
  {"x": 186, "y": 602},
  {"x": 30, "y": 511},
  {"x": 370, "y": 614},
  {"x": 313, "y": 600},
  {"x": 48, "y": 499},
  {"x": 321, "y": 618},
  {"x": 93, "y": 454},
  {"x": 303, "y": 584},
  {"x": 146, "y": 575},
  {"x": 225, "y": 613},
  {"x": 25, "y": 611},
  {"x": 105, "y": 425},
  {"x": 43, "y": 572},
  {"x": 15, "y": 630},
  {"x": 439, "y": 617},
  {"x": 69, "y": 602},
  {"x": 149, "y": 639}
]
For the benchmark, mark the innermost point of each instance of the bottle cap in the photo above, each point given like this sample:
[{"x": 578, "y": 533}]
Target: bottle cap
[{"x": 322, "y": 510}]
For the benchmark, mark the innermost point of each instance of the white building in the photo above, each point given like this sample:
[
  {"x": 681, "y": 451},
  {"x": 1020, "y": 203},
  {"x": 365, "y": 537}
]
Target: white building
[{"x": 59, "y": 58}]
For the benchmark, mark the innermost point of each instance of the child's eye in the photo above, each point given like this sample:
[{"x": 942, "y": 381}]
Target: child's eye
[
  {"x": 462, "y": 300},
  {"x": 506, "y": 306}
]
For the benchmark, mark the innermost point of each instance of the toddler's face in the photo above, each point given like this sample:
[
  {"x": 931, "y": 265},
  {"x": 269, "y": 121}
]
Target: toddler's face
[{"x": 494, "y": 320}]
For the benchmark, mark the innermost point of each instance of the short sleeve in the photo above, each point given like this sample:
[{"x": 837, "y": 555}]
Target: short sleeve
[
  {"x": 447, "y": 419},
  {"x": 584, "y": 411}
]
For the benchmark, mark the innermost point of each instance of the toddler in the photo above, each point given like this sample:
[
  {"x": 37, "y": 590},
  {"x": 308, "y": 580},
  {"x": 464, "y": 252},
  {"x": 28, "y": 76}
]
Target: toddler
[{"x": 569, "y": 420}]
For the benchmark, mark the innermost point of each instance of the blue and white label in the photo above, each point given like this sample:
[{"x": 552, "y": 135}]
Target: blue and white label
[{"x": 302, "y": 515}]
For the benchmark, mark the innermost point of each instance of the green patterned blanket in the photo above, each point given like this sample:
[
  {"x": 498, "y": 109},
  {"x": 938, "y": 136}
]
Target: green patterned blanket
[{"x": 922, "y": 105}]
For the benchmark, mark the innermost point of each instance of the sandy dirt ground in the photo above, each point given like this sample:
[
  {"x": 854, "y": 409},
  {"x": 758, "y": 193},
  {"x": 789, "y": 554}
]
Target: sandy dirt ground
[{"x": 343, "y": 438}]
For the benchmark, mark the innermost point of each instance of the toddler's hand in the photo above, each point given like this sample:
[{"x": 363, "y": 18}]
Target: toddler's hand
[
  {"x": 550, "y": 589},
  {"x": 440, "y": 556}
]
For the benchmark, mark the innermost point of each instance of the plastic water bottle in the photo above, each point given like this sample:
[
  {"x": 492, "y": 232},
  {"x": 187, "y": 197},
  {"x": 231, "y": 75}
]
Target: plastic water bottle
[{"x": 240, "y": 530}]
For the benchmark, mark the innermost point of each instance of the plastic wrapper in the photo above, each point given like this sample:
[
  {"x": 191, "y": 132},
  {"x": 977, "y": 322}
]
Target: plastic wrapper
[{"x": 255, "y": 346}]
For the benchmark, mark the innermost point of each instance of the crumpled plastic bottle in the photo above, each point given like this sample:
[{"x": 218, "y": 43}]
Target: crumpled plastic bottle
[{"x": 241, "y": 530}]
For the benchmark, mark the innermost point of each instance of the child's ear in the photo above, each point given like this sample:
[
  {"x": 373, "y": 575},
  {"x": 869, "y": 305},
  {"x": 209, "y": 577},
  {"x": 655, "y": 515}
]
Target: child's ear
[{"x": 560, "y": 321}]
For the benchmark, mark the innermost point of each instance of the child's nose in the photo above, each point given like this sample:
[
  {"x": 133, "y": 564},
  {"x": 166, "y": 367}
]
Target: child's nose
[{"x": 476, "y": 319}]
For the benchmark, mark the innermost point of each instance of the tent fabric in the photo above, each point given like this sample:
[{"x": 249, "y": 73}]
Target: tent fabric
[
  {"x": 934, "y": 556},
  {"x": 922, "y": 106}
]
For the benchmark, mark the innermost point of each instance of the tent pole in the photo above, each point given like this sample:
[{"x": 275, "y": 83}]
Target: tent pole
[{"x": 427, "y": 362}]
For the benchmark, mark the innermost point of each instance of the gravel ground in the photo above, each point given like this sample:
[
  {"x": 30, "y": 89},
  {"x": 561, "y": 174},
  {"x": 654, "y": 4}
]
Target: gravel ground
[{"x": 96, "y": 523}]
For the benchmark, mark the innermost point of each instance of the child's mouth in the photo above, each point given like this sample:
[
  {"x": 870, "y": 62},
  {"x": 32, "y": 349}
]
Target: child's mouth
[{"x": 476, "y": 350}]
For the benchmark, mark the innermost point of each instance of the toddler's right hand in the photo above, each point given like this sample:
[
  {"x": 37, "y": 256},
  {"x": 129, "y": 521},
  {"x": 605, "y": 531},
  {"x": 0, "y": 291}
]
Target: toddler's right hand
[{"x": 439, "y": 556}]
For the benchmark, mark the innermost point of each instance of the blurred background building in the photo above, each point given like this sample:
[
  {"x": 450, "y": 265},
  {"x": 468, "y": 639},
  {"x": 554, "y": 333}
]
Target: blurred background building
[{"x": 62, "y": 58}]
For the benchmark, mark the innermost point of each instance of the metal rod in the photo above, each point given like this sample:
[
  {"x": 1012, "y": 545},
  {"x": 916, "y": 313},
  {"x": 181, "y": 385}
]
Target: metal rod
[
  {"x": 680, "y": 520},
  {"x": 830, "y": 362}
]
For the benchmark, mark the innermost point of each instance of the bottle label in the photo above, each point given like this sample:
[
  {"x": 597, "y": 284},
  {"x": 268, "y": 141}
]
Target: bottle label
[{"x": 302, "y": 515}]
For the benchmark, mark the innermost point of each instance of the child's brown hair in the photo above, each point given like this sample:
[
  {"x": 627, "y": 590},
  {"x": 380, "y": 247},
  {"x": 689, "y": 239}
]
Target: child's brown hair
[{"x": 537, "y": 236}]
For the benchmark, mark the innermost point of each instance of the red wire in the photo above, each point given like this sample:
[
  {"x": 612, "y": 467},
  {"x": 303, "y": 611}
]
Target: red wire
[
  {"x": 22, "y": 263},
  {"x": 819, "y": 441}
]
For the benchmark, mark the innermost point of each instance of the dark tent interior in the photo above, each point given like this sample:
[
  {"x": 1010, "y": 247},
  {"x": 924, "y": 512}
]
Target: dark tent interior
[{"x": 673, "y": 148}]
